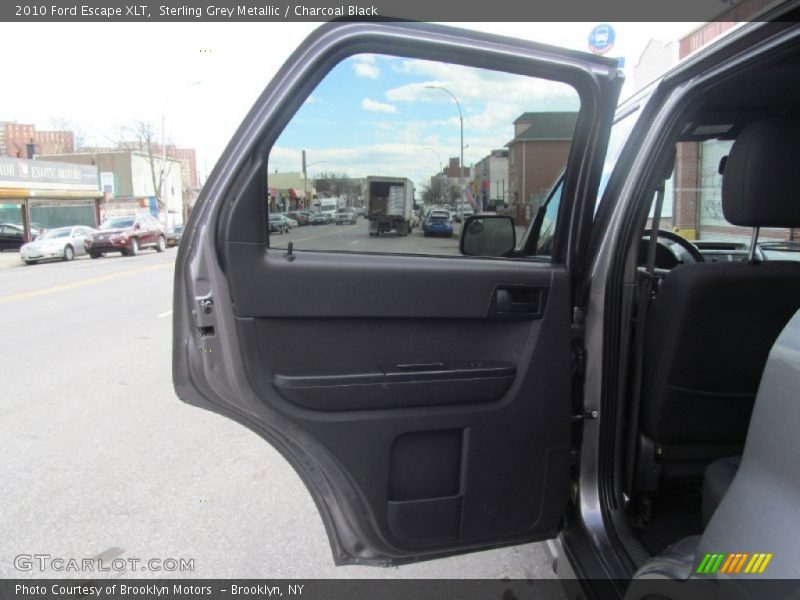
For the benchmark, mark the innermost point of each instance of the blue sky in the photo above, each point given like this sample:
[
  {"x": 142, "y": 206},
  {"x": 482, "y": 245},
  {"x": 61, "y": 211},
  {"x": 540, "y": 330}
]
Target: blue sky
[{"x": 373, "y": 115}]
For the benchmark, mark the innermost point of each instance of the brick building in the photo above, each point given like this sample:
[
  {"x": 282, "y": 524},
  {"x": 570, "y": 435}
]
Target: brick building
[
  {"x": 536, "y": 155},
  {"x": 452, "y": 172},
  {"x": 18, "y": 139}
]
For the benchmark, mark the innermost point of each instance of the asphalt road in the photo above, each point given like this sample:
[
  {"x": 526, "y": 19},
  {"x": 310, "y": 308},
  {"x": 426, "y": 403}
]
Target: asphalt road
[
  {"x": 355, "y": 238},
  {"x": 100, "y": 458}
]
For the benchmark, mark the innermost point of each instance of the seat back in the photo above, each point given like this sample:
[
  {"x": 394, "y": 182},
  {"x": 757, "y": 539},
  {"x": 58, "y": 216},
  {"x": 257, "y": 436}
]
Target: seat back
[{"x": 711, "y": 326}]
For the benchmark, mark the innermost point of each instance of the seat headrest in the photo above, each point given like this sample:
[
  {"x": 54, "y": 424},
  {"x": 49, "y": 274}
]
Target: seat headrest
[{"x": 761, "y": 185}]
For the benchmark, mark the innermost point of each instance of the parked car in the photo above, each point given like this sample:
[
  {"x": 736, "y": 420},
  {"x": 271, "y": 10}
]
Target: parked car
[
  {"x": 438, "y": 222},
  {"x": 126, "y": 235},
  {"x": 63, "y": 243},
  {"x": 346, "y": 216},
  {"x": 174, "y": 235},
  {"x": 277, "y": 224},
  {"x": 288, "y": 220},
  {"x": 300, "y": 217},
  {"x": 321, "y": 218},
  {"x": 12, "y": 238},
  {"x": 637, "y": 410}
]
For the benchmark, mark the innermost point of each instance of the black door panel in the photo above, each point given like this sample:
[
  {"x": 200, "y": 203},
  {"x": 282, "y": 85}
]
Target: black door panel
[
  {"x": 437, "y": 471},
  {"x": 375, "y": 285}
]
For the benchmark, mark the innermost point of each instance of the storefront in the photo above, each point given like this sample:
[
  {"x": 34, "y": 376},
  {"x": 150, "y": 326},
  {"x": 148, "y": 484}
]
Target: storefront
[{"x": 43, "y": 195}]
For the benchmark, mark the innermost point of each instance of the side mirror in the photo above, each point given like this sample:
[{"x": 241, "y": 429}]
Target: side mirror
[{"x": 488, "y": 235}]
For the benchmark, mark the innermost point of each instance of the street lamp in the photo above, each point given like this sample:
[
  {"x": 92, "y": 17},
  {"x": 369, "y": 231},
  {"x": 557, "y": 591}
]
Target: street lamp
[{"x": 461, "y": 121}]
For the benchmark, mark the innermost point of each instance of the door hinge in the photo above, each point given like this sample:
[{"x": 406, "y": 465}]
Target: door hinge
[{"x": 204, "y": 316}]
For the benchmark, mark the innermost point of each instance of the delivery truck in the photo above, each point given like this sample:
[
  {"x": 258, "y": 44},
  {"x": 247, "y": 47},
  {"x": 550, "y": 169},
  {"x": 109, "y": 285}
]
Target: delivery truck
[{"x": 390, "y": 205}]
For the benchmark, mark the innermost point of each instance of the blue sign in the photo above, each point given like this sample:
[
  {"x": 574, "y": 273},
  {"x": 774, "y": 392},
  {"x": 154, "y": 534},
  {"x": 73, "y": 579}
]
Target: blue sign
[{"x": 601, "y": 39}]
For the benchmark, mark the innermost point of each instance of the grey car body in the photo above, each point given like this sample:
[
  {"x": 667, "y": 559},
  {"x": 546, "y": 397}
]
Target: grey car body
[
  {"x": 365, "y": 464},
  {"x": 62, "y": 243}
]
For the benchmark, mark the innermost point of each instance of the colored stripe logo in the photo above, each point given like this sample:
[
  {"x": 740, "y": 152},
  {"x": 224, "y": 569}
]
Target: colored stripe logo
[{"x": 734, "y": 563}]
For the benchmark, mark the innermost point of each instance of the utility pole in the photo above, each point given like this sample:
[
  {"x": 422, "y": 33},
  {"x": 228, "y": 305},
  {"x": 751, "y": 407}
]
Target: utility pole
[{"x": 305, "y": 183}]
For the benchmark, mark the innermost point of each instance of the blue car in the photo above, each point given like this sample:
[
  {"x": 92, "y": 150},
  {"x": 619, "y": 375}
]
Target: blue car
[{"x": 438, "y": 222}]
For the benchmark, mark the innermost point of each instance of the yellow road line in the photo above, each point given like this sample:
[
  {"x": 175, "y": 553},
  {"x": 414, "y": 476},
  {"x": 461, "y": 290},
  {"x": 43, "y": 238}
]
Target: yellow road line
[{"x": 82, "y": 283}]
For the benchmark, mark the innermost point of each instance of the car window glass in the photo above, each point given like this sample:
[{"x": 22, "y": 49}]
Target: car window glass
[
  {"x": 620, "y": 132},
  {"x": 547, "y": 231},
  {"x": 692, "y": 205},
  {"x": 380, "y": 138},
  {"x": 546, "y": 227}
]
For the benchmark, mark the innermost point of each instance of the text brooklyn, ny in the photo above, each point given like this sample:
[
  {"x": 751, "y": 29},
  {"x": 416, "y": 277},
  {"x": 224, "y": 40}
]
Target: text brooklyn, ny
[{"x": 278, "y": 11}]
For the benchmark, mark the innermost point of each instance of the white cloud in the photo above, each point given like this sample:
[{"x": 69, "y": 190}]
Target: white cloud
[
  {"x": 490, "y": 100},
  {"x": 364, "y": 66},
  {"x": 382, "y": 107}
]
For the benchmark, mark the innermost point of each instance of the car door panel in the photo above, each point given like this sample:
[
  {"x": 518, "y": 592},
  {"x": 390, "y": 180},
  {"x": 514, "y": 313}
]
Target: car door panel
[
  {"x": 425, "y": 401},
  {"x": 508, "y": 443}
]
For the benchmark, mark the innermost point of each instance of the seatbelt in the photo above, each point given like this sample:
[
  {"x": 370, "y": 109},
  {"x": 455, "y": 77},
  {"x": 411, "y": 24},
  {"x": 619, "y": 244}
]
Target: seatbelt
[{"x": 645, "y": 297}]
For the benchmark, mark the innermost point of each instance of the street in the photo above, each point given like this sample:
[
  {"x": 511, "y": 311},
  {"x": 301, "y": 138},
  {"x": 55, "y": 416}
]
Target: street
[
  {"x": 102, "y": 460},
  {"x": 355, "y": 238}
]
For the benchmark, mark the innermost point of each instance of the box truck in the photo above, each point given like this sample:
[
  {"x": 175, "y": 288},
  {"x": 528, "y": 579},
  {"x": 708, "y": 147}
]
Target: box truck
[{"x": 390, "y": 205}]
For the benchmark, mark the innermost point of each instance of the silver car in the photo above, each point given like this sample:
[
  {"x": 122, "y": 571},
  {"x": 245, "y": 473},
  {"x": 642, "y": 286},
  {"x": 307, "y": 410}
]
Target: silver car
[{"x": 63, "y": 243}]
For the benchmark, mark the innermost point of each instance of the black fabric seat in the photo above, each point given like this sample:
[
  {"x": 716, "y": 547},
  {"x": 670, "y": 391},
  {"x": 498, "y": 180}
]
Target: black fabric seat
[
  {"x": 758, "y": 505},
  {"x": 718, "y": 478},
  {"x": 710, "y": 329}
]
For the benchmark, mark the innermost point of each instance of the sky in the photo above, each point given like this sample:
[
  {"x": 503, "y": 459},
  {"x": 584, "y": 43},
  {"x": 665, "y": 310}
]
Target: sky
[
  {"x": 376, "y": 115},
  {"x": 200, "y": 79}
]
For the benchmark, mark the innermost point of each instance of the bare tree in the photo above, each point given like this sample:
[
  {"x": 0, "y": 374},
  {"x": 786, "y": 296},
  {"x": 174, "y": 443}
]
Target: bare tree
[
  {"x": 78, "y": 131},
  {"x": 142, "y": 138}
]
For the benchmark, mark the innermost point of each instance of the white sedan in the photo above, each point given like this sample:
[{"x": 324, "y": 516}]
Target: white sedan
[
  {"x": 63, "y": 243},
  {"x": 288, "y": 220}
]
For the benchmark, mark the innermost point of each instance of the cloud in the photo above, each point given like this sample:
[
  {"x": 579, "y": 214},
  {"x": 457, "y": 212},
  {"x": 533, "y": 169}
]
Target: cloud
[
  {"x": 382, "y": 107},
  {"x": 490, "y": 100},
  {"x": 365, "y": 67},
  {"x": 390, "y": 159}
]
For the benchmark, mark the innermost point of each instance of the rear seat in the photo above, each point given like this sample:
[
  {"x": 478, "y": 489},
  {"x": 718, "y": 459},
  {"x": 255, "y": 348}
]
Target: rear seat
[{"x": 760, "y": 511}]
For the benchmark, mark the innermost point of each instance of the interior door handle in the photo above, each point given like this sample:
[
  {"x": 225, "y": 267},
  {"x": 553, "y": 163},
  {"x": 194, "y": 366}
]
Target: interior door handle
[{"x": 518, "y": 301}]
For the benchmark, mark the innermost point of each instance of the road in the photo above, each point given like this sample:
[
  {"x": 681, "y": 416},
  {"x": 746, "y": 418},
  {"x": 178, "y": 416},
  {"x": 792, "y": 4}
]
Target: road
[
  {"x": 355, "y": 238},
  {"x": 102, "y": 460}
]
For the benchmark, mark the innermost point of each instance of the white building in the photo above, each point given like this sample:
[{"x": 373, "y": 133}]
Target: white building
[
  {"x": 655, "y": 60},
  {"x": 127, "y": 179}
]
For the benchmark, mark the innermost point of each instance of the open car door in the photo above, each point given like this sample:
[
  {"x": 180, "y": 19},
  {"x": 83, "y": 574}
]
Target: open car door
[{"x": 425, "y": 401}]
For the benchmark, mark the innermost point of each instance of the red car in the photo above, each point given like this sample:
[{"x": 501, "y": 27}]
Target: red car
[
  {"x": 301, "y": 217},
  {"x": 126, "y": 235}
]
